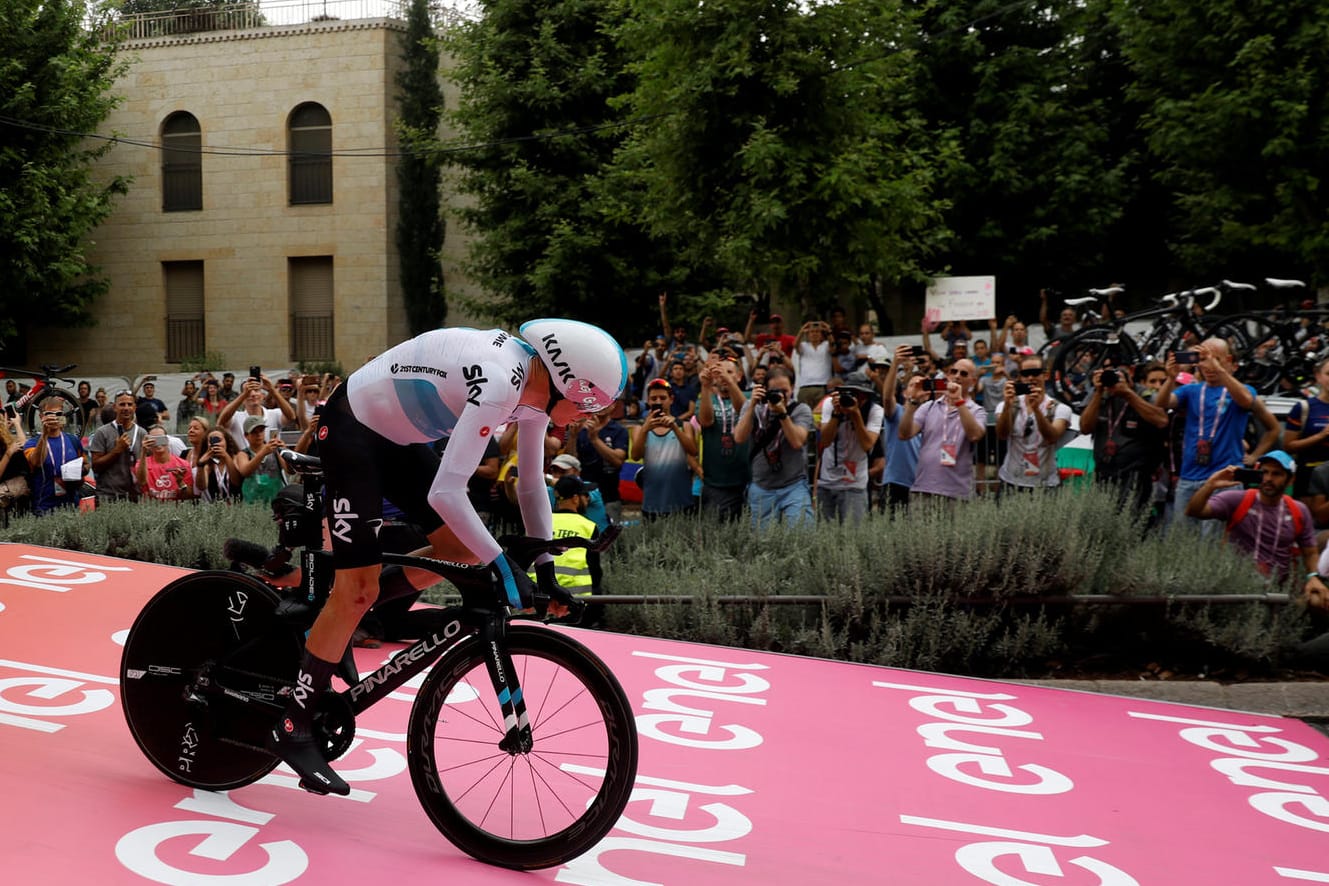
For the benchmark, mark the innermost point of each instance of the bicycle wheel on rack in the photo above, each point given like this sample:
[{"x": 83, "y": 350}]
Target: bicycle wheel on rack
[
  {"x": 531, "y": 810},
  {"x": 1077, "y": 358},
  {"x": 69, "y": 408},
  {"x": 1262, "y": 354},
  {"x": 200, "y": 678}
]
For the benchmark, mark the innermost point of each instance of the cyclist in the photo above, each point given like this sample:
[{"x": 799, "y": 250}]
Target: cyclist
[{"x": 375, "y": 437}]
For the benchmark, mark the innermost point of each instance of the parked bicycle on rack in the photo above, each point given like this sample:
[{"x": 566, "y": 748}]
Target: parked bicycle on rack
[
  {"x": 45, "y": 388},
  {"x": 1175, "y": 324},
  {"x": 521, "y": 744}
]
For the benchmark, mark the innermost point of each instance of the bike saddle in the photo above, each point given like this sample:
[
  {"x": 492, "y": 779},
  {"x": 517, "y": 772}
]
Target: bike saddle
[{"x": 1087, "y": 300}]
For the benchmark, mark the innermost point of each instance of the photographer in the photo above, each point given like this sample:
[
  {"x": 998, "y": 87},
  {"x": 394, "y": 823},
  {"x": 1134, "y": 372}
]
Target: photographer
[
  {"x": 1128, "y": 433},
  {"x": 901, "y": 455},
  {"x": 778, "y": 427},
  {"x": 663, "y": 443},
  {"x": 725, "y": 471},
  {"x": 1033, "y": 424},
  {"x": 1274, "y": 528},
  {"x": 848, "y": 434},
  {"x": 950, "y": 424}
]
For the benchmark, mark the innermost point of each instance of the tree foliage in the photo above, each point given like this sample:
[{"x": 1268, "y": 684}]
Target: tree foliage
[
  {"x": 419, "y": 173},
  {"x": 1033, "y": 93},
  {"x": 536, "y": 79},
  {"x": 56, "y": 77},
  {"x": 780, "y": 140},
  {"x": 1234, "y": 109}
]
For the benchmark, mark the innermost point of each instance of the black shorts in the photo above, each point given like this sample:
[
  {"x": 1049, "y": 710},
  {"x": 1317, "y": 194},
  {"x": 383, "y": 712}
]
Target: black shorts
[{"x": 360, "y": 469}]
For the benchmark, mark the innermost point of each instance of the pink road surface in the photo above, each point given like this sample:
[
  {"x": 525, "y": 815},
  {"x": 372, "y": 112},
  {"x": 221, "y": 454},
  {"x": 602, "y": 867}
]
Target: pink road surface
[{"x": 755, "y": 768}]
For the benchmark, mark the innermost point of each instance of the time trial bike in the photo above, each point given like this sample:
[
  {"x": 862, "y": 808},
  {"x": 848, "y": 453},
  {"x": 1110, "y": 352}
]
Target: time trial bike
[
  {"x": 521, "y": 744},
  {"x": 45, "y": 388}
]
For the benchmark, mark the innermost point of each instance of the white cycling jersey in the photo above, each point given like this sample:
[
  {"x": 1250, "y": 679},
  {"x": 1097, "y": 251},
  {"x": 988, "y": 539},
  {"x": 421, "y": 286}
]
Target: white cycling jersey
[{"x": 463, "y": 384}]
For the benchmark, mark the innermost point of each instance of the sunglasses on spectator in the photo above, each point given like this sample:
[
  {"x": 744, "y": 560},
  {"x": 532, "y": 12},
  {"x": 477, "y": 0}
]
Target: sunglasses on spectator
[
  {"x": 123, "y": 392},
  {"x": 1031, "y": 373},
  {"x": 52, "y": 414},
  {"x": 962, "y": 373}
]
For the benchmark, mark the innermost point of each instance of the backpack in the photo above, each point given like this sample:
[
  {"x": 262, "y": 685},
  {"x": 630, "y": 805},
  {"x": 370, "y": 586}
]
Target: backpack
[{"x": 1244, "y": 506}]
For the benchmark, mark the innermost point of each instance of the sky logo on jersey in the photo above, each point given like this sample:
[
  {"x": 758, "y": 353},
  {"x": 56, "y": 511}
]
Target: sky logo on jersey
[
  {"x": 518, "y": 375},
  {"x": 343, "y": 520},
  {"x": 422, "y": 406},
  {"x": 475, "y": 382}
]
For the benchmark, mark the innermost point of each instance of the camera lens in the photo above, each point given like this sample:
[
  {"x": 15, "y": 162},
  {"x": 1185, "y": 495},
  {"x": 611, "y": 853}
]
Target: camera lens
[
  {"x": 774, "y": 397},
  {"x": 846, "y": 399},
  {"x": 1109, "y": 378}
]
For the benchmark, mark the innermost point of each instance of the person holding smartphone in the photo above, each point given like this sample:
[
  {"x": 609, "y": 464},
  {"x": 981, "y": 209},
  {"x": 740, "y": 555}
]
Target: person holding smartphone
[
  {"x": 950, "y": 426},
  {"x": 1215, "y": 411},
  {"x": 253, "y": 394},
  {"x": 1264, "y": 522},
  {"x": 216, "y": 475},
  {"x": 162, "y": 476},
  {"x": 56, "y": 460}
]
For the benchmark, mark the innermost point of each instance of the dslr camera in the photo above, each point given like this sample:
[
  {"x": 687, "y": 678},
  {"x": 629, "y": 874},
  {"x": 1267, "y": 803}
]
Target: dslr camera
[
  {"x": 1109, "y": 378},
  {"x": 846, "y": 400},
  {"x": 775, "y": 398}
]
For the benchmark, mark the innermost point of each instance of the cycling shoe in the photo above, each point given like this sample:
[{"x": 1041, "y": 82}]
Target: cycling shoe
[{"x": 303, "y": 755}]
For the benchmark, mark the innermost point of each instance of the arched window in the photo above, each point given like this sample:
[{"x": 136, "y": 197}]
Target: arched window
[
  {"x": 182, "y": 163},
  {"x": 309, "y": 141}
]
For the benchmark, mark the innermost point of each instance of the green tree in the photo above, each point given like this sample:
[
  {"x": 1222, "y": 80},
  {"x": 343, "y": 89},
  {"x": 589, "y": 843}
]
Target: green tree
[
  {"x": 536, "y": 79},
  {"x": 1235, "y": 113},
  {"x": 419, "y": 172},
  {"x": 1034, "y": 94},
  {"x": 56, "y": 77},
  {"x": 780, "y": 141}
]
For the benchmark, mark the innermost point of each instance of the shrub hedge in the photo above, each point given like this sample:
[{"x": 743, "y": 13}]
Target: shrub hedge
[{"x": 979, "y": 582}]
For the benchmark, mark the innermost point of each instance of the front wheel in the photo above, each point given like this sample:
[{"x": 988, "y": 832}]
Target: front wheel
[{"x": 524, "y": 810}]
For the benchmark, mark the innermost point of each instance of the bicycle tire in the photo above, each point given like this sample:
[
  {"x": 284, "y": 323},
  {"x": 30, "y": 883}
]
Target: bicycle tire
[
  {"x": 1262, "y": 353},
  {"x": 1079, "y": 355},
  {"x": 211, "y": 742},
  {"x": 73, "y": 413},
  {"x": 580, "y": 718}
]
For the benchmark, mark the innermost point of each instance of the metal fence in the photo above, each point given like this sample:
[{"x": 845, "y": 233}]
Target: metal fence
[{"x": 232, "y": 16}]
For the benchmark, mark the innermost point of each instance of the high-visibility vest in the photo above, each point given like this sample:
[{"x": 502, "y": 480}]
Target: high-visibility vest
[{"x": 570, "y": 568}]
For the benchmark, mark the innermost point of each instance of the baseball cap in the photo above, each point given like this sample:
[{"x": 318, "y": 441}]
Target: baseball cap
[
  {"x": 568, "y": 486},
  {"x": 777, "y": 316},
  {"x": 1281, "y": 458},
  {"x": 566, "y": 462},
  {"x": 253, "y": 421}
]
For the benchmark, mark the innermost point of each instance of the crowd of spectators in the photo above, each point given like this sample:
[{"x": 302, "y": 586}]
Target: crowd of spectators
[{"x": 777, "y": 424}]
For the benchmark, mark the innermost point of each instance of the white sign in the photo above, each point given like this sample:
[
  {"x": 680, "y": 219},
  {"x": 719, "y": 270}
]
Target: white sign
[{"x": 961, "y": 298}]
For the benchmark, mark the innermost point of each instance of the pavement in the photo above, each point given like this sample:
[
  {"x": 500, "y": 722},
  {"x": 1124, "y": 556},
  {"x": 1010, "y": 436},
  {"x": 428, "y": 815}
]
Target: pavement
[{"x": 1305, "y": 700}]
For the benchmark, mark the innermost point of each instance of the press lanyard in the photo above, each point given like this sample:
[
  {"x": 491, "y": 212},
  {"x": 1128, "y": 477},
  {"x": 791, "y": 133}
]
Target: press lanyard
[
  {"x": 1218, "y": 409},
  {"x": 50, "y": 450},
  {"x": 1259, "y": 531}
]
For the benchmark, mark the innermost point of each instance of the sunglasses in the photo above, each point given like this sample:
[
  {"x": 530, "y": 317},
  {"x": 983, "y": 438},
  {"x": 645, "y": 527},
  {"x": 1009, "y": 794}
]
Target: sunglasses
[
  {"x": 52, "y": 414},
  {"x": 123, "y": 392},
  {"x": 962, "y": 373},
  {"x": 1030, "y": 373}
]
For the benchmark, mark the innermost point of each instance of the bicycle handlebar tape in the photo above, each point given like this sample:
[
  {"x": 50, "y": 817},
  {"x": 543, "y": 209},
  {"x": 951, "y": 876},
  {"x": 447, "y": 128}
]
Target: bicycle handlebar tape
[{"x": 516, "y": 585}]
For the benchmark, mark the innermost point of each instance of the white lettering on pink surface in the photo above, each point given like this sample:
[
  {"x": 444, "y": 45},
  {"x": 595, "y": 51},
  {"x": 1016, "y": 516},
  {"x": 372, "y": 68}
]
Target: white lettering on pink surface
[
  {"x": 55, "y": 684},
  {"x": 712, "y": 680},
  {"x": 980, "y": 766},
  {"x": 55, "y": 574},
  {"x": 1034, "y": 852},
  {"x": 219, "y": 841},
  {"x": 1246, "y": 747},
  {"x": 667, "y": 801}
]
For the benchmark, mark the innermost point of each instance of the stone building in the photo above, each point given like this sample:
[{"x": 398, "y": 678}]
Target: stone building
[{"x": 249, "y": 248}]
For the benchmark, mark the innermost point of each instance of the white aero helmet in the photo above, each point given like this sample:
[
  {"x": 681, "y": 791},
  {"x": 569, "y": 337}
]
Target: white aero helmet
[{"x": 585, "y": 364}]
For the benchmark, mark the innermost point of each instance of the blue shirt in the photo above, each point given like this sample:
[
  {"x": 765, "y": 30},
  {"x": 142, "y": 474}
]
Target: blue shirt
[
  {"x": 1224, "y": 428},
  {"x": 901, "y": 455}
]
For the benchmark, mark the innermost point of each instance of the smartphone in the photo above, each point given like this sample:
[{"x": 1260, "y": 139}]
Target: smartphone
[
  {"x": 256, "y": 372},
  {"x": 10, "y": 411},
  {"x": 216, "y": 440},
  {"x": 1021, "y": 389},
  {"x": 270, "y": 434},
  {"x": 935, "y": 385},
  {"x": 1249, "y": 476},
  {"x": 918, "y": 351},
  {"x": 1187, "y": 358}
]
